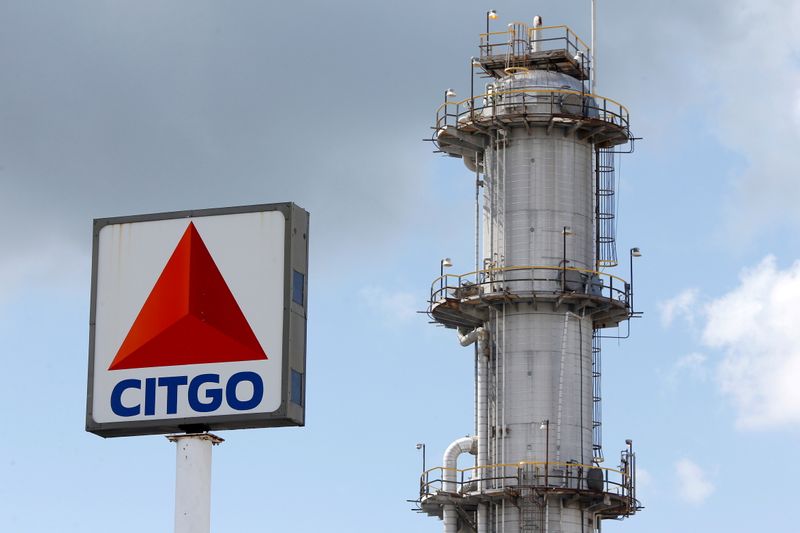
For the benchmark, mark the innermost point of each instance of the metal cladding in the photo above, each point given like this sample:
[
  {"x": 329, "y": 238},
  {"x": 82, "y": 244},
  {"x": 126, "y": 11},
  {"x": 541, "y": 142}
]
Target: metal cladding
[{"x": 542, "y": 148}]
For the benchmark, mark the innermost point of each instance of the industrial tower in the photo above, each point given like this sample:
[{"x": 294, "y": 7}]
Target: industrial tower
[{"x": 542, "y": 147}]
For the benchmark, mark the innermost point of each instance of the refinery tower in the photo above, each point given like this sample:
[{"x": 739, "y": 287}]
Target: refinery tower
[{"x": 542, "y": 147}]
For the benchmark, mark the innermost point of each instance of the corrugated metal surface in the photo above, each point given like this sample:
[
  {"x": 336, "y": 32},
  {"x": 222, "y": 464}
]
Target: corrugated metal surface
[{"x": 538, "y": 183}]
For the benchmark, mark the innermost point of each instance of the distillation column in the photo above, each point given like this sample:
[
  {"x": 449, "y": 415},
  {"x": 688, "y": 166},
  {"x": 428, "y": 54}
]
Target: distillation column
[
  {"x": 533, "y": 137},
  {"x": 538, "y": 212}
]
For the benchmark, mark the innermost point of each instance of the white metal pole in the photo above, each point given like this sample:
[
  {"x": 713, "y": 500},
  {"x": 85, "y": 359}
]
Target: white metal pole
[{"x": 193, "y": 481}]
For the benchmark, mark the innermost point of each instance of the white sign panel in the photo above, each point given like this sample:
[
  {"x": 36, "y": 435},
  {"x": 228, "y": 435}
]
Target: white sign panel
[{"x": 191, "y": 314}]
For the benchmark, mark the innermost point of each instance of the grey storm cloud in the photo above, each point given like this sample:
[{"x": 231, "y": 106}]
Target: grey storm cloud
[{"x": 111, "y": 108}]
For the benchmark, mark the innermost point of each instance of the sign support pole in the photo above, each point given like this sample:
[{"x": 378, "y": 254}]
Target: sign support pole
[{"x": 193, "y": 481}]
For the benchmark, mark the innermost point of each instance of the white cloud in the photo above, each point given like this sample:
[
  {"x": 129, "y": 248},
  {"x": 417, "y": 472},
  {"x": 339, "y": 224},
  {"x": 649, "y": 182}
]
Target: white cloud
[
  {"x": 391, "y": 305},
  {"x": 730, "y": 68},
  {"x": 692, "y": 365},
  {"x": 694, "y": 487},
  {"x": 681, "y": 305},
  {"x": 756, "y": 327}
]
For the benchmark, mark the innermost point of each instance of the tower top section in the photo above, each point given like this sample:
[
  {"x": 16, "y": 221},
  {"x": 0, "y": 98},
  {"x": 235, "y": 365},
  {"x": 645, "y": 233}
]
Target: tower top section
[
  {"x": 534, "y": 47},
  {"x": 540, "y": 77}
]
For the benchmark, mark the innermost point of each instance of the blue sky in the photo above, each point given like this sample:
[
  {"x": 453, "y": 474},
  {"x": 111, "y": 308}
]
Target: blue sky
[{"x": 113, "y": 108}]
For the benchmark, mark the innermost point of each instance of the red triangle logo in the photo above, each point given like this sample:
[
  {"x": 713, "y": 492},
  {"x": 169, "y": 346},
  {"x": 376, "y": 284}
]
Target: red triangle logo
[{"x": 190, "y": 316}]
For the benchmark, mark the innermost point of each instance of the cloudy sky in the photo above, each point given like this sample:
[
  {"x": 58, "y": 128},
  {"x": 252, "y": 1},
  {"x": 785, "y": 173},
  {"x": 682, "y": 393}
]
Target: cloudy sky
[{"x": 110, "y": 107}]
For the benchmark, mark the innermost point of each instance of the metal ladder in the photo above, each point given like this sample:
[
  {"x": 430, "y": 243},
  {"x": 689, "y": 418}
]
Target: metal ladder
[
  {"x": 530, "y": 508},
  {"x": 597, "y": 411},
  {"x": 605, "y": 208}
]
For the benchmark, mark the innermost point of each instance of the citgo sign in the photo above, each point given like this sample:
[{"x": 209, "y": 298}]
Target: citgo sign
[{"x": 198, "y": 321}]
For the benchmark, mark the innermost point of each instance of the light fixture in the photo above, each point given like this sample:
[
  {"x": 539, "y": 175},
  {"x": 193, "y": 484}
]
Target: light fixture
[
  {"x": 475, "y": 62},
  {"x": 567, "y": 231},
  {"x": 490, "y": 15},
  {"x": 546, "y": 426},
  {"x": 449, "y": 92},
  {"x": 444, "y": 263},
  {"x": 421, "y": 446},
  {"x": 635, "y": 252}
]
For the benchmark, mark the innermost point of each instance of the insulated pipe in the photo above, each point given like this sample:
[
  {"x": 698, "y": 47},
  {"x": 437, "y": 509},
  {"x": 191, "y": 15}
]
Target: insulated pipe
[
  {"x": 537, "y": 23},
  {"x": 465, "y": 339},
  {"x": 450, "y": 462},
  {"x": 483, "y": 427}
]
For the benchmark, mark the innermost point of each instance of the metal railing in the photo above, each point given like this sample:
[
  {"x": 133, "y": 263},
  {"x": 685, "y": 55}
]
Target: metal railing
[
  {"x": 504, "y": 43},
  {"x": 532, "y": 102},
  {"x": 536, "y": 280},
  {"x": 535, "y": 474}
]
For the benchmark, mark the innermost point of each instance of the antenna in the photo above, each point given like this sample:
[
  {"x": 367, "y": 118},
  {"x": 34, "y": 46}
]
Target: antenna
[{"x": 593, "y": 71}]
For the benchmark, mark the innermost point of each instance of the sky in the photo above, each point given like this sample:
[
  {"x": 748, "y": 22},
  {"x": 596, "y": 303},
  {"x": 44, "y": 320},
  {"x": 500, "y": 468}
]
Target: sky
[{"x": 115, "y": 108}]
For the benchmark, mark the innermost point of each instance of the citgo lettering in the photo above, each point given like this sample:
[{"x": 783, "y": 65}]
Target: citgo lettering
[{"x": 209, "y": 401}]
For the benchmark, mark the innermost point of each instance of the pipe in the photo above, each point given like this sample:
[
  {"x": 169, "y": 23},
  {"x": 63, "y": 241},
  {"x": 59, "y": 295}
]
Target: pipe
[
  {"x": 537, "y": 23},
  {"x": 480, "y": 335},
  {"x": 450, "y": 462},
  {"x": 465, "y": 339},
  {"x": 483, "y": 424}
]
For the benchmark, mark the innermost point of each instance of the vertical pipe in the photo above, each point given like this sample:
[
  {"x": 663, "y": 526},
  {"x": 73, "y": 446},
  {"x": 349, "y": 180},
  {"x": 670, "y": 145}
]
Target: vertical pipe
[
  {"x": 477, "y": 213},
  {"x": 450, "y": 519},
  {"x": 537, "y": 23},
  {"x": 193, "y": 482},
  {"x": 483, "y": 424},
  {"x": 449, "y": 478}
]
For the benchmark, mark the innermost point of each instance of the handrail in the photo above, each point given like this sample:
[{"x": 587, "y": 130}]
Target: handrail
[
  {"x": 532, "y": 90},
  {"x": 534, "y": 35},
  {"x": 524, "y": 463},
  {"x": 533, "y": 267},
  {"x": 495, "y": 33},
  {"x": 567, "y": 475},
  {"x": 560, "y": 26},
  {"x": 447, "y": 285},
  {"x": 538, "y": 28},
  {"x": 453, "y": 112}
]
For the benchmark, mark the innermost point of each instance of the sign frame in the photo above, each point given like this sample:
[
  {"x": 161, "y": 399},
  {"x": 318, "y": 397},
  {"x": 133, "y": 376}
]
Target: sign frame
[{"x": 291, "y": 411}]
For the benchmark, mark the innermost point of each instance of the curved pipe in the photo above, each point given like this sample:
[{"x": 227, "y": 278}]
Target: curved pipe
[
  {"x": 450, "y": 459},
  {"x": 465, "y": 339},
  {"x": 450, "y": 462}
]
